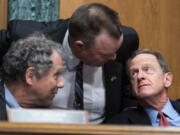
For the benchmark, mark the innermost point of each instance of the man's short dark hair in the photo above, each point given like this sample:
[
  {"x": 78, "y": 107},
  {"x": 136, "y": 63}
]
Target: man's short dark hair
[{"x": 90, "y": 19}]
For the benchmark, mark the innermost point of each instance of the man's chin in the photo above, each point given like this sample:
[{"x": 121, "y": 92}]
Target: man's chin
[
  {"x": 99, "y": 65},
  {"x": 96, "y": 65}
]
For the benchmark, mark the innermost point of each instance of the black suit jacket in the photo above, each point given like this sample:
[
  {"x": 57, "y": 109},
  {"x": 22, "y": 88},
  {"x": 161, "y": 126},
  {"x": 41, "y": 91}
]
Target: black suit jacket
[
  {"x": 2, "y": 103},
  {"x": 137, "y": 116},
  {"x": 114, "y": 71}
]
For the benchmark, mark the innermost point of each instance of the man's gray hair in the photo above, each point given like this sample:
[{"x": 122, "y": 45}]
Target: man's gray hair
[{"x": 33, "y": 51}]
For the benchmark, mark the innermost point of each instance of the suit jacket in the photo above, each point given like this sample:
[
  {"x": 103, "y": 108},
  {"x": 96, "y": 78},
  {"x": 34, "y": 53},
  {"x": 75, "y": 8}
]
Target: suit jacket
[
  {"x": 2, "y": 103},
  {"x": 137, "y": 116},
  {"x": 114, "y": 71}
]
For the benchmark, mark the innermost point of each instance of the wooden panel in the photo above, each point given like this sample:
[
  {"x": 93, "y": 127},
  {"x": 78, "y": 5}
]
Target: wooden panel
[
  {"x": 3, "y": 13},
  {"x": 67, "y": 129},
  {"x": 156, "y": 21}
]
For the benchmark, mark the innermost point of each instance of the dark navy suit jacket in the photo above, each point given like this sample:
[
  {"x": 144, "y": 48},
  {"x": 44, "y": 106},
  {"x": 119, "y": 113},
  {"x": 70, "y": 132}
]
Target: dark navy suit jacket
[
  {"x": 2, "y": 103},
  {"x": 137, "y": 116}
]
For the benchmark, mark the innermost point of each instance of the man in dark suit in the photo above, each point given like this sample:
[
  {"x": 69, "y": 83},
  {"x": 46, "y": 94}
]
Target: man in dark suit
[
  {"x": 30, "y": 74},
  {"x": 150, "y": 78},
  {"x": 94, "y": 36}
]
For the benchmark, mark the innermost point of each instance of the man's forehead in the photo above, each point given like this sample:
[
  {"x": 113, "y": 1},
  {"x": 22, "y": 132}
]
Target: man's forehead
[
  {"x": 145, "y": 59},
  {"x": 104, "y": 40}
]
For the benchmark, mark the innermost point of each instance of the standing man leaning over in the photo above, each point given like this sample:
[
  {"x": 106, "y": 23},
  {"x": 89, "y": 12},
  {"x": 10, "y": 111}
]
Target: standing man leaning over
[
  {"x": 95, "y": 37},
  {"x": 30, "y": 74},
  {"x": 150, "y": 78}
]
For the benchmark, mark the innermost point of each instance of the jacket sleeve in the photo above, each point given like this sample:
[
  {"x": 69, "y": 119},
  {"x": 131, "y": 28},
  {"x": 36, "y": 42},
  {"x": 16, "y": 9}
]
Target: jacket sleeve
[
  {"x": 129, "y": 45},
  {"x": 5, "y": 42}
]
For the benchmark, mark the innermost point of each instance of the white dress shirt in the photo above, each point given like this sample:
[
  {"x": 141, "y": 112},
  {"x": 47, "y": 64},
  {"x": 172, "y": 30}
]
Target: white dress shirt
[{"x": 93, "y": 85}]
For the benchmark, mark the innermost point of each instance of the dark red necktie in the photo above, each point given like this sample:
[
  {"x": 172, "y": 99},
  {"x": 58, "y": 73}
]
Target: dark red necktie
[{"x": 163, "y": 120}]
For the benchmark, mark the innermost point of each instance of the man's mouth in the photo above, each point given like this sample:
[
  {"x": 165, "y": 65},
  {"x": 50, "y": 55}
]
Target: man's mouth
[
  {"x": 143, "y": 85},
  {"x": 54, "y": 91}
]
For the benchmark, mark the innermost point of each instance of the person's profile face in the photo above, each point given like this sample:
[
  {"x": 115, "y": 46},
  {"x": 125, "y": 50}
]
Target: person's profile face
[
  {"x": 104, "y": 49},
  {"x": 146, "y": 75},
  {"x": 47, "y": 86}
]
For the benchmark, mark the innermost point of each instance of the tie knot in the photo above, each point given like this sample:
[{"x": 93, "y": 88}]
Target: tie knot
[
  {"x": 161, "y": 114},
  {"x": 163, "y": 120},
  {"x": 79, "y": 66}
]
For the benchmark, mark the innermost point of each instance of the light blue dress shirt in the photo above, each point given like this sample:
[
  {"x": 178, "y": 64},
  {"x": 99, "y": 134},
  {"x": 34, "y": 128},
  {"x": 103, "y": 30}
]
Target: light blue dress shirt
[
  {"x": 11, "y": 102},
  {"x": 172, "y": 115}
]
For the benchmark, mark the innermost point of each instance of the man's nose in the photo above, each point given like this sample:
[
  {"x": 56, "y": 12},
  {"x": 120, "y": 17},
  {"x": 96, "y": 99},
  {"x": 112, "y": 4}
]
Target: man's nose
[
  {"x": 140, "y": 75},
  {"x": 60, "y": 83}
]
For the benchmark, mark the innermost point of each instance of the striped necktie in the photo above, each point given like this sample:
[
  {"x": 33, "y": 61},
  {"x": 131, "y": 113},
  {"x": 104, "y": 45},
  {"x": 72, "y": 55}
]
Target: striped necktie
[
  {"x": 78, "y": 91},
  {"x": 163, "y": 120}
]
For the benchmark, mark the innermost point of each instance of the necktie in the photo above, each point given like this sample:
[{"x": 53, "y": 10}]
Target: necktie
[
  {"x": 163, "y": 120},
  {"x": 78, "y": 103}
]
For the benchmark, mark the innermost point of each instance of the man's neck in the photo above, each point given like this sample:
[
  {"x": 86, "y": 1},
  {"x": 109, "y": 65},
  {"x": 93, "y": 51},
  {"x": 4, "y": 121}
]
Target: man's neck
[
  {"x": 154, "y": 103},
  {"x": 17, "y": 90}
]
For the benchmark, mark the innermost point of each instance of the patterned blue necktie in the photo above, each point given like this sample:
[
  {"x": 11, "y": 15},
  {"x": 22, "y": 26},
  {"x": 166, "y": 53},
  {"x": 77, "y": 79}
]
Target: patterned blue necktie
[{"x": 78, "y": 103}]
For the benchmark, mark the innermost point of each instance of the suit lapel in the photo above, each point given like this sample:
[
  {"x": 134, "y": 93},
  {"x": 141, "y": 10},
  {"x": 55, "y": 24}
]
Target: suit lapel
[
  {"x": 2, "y": 103},
  {"x": 176, "y": 105},
  {"x": 139, "y": 117},
  {"x": 113, "y": 80}
]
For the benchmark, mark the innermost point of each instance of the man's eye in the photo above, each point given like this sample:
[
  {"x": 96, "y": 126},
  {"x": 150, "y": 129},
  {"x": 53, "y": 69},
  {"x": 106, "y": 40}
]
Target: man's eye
[
  {"x": 133, "y": 74},
  {"x": 148, "y": 70},
  {"x": 57, "y": 75}
]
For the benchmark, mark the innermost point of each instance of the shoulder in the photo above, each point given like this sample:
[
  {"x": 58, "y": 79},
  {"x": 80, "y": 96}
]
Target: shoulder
[
  {"x": 37, "y": 23},
  {"x": 176, "y": 104},
  {"x": 29, "y": 26},
  {"x": 22, "y": 28},
  {"x": 130, "y": 43}
]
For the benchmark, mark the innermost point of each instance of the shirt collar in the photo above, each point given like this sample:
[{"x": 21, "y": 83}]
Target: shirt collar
[
  {"x": 152, "y": 114},
  {"x": 71, "y": 60},
  {"x": 167, "y": 109},
  {"x": 10, "y": 99}
]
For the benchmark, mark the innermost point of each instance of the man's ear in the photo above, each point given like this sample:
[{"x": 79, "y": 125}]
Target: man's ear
[
  {"x": 168, "y": 79},
  {"x": 30, "y": 75},
  {"x": 79, "y": 44}
]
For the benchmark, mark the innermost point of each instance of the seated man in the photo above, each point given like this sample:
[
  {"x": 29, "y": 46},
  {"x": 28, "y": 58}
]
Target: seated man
[
  {"x": 30, "y": 74},
  {"x": 150, "y": 78}
]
